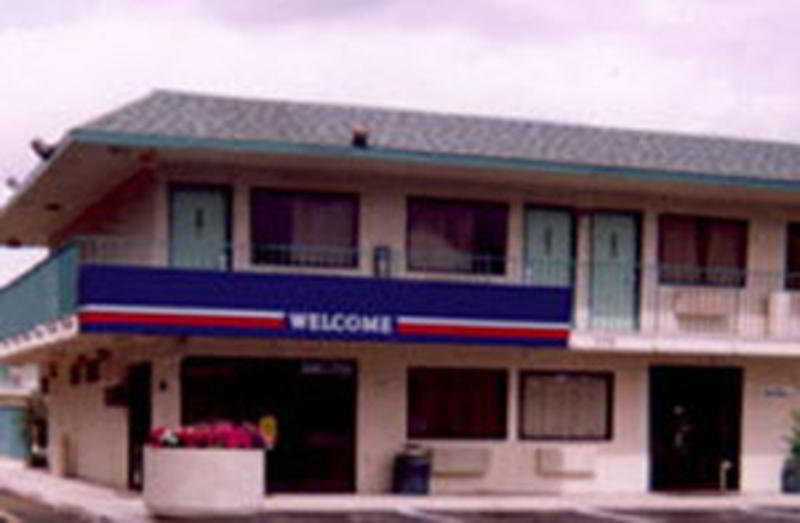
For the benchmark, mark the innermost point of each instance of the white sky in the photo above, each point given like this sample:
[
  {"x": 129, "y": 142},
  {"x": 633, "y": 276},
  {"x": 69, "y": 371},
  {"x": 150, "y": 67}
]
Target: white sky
[{"x": 727, "y": 67}]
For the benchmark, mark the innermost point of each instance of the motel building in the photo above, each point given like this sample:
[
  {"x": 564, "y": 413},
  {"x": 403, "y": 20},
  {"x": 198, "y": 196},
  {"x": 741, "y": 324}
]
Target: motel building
[{"x": 545, "y": 308}]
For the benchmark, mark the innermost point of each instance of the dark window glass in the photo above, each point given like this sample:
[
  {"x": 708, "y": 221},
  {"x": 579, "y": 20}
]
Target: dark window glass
[
  {"x": 456, "y": 403},
  {"x": 457, "y": 236},
  {"x": 793, "y": 256},
  {"x": 565, "y": 405},
  {"x": 304, "y": 228},
  {"x": 702, "y": 251}
]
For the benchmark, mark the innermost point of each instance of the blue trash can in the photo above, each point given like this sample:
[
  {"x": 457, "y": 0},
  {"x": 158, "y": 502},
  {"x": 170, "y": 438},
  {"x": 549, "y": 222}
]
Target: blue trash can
[{"x": 411, "y": 472}]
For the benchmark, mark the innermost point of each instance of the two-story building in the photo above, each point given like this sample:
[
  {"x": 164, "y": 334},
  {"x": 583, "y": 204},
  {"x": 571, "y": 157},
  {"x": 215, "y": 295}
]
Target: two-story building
[{"x": 549, "y": 308}]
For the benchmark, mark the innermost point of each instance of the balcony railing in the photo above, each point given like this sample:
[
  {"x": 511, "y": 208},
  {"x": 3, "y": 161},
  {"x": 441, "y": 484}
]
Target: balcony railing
[
  {"x": 44, "y": 294},
  {"x": 379, "y": 261},
  {"x": 719, "y": 302},
  {"x": 647, "y": 300}
]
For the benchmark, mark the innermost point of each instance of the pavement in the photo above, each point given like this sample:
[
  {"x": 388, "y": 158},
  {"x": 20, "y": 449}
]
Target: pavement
[
  {"x": 14, "y": 509},
  {"x": 103, "y": 504}
]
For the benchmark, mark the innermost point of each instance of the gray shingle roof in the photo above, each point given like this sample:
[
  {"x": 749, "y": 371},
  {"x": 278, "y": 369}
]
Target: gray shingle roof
[{"x": 176, "y": 114}]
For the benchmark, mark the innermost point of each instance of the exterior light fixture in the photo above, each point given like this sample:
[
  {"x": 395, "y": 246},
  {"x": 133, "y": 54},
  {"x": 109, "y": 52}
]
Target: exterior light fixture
[{"x": 382, "y": 261}]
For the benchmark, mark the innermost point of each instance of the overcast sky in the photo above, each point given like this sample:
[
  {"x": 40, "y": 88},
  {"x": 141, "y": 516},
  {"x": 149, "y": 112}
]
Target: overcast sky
[{"x": 728, "y": 67}]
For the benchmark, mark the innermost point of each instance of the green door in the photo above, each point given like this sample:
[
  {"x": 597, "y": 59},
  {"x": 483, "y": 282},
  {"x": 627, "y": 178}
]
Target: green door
[
  {"x": 548, "y": 248},
  {"x": 614, "y": 295},
  {"x": 199, "y": 228}
]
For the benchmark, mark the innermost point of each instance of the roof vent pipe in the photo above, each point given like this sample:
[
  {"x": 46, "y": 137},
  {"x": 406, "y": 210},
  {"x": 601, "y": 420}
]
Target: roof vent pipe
[{"x": 360, "y": 136}]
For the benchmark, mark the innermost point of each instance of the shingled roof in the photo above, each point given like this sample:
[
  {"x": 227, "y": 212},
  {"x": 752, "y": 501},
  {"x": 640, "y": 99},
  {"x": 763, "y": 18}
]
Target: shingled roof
[{"x": 168, "y": 114}]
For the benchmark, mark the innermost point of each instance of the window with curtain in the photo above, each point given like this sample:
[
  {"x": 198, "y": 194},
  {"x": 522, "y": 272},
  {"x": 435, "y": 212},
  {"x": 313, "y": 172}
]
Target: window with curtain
[
  {"x": 304, "y": 228},
  {"x": 696, "y": 250},
  {"x": 450, "y": 403},
  {"x": 792, "y": 280},
  {"x": 457, "y": 236},
  {"x": 565, "y": 405}
]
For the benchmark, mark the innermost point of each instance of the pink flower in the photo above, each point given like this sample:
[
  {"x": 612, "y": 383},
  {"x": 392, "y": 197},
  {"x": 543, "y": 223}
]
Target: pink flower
[
  {"x": 239, "y": 438},
  {"x": 218, "y": 434}
]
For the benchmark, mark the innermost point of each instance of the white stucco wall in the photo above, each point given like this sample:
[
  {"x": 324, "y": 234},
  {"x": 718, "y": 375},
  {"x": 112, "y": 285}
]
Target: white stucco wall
[
  {"x": 87, "y": 439},
  {"x": 98, "y": 434}
]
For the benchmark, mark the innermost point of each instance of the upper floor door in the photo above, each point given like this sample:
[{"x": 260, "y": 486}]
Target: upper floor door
[
  {"x": 199, "y": 227},
  {"x": 614, "y": 297},
  {"x": 548, "y": 247}
]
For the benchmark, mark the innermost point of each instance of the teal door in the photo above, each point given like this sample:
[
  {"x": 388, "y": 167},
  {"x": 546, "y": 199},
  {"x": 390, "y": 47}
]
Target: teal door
[
  {"x": 548, "y": 248},
  {"x": 614, "y": 282},
  {"x": 199, "y": 228}
]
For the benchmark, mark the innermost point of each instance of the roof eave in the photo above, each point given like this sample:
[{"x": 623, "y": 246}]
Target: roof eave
[
  {"x": 37, "y": 173},
  {"x": 444, "y": 159}
]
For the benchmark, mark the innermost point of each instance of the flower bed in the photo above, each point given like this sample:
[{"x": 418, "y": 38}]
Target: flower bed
[
  {"x": 204, "y": 470},
  {"x": 204, "y": 435}
]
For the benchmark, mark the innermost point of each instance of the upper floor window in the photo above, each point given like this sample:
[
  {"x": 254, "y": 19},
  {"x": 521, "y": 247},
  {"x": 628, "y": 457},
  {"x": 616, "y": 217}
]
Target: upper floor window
[
  {"x": 457, "y": 236},
  {"x": 698, "y": 250},
  {"x": 304, "y": 228},
  {"x": 793, "y": 256}
]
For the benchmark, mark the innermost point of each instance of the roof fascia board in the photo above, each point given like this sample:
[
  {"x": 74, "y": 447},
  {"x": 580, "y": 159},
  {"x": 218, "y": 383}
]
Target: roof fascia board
[{"x": 444, "y": 159}]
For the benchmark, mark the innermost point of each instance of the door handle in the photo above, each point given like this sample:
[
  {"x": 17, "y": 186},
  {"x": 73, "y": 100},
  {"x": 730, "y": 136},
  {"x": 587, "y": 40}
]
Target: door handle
[{"x": 724, "y": 466}]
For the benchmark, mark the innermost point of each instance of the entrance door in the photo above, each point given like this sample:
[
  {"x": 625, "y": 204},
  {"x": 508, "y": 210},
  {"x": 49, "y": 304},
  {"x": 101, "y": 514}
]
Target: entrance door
[
  {"x": 138, "y": 422},
  {"x": 615, "y": 256},
  {"x": 316, "y": 449},
  {"x": 695, "y": 418},
  {"x": 199, "y": 229},
  {"x": 314, "y": 402}
]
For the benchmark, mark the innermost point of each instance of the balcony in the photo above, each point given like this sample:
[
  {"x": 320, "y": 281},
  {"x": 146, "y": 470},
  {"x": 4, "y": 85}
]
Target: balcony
[
  {"x": 102, "y": 285},
  {"x": 120, "y": 287},
  {"x": 685, "y": 310},
  {"x": 35, "y": 303}
]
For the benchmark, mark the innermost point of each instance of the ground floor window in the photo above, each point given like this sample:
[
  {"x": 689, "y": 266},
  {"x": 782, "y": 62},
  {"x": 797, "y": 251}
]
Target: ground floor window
[
  {"x": 565, "y": 405},
  {"x": 457, "y": 403}
]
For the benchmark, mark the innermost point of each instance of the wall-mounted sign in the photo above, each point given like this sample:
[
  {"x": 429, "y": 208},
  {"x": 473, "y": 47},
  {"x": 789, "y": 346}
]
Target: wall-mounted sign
[
  {"x": 206, "y": 303},
  {"x": 778, "y": 391}
]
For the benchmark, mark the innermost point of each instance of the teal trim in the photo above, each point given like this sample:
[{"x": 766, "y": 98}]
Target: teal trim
[{"x": 445, "y": 159}]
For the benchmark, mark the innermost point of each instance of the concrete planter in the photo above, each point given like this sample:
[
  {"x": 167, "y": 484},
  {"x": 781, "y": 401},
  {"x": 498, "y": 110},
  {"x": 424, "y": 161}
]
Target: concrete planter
[{"x": 187, "y": 482}]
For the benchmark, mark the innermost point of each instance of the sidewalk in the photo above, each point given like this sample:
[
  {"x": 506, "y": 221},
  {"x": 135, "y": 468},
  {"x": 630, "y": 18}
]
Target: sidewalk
[
  {"x": 101, "y": 503},
  {"x": 107, "y": 504}
]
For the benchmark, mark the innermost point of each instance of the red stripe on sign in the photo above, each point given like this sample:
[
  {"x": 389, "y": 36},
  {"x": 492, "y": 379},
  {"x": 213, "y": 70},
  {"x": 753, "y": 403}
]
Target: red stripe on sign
[
  {"x": 482, "y": 332},
  {"x": 182, "y": 319}
]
